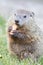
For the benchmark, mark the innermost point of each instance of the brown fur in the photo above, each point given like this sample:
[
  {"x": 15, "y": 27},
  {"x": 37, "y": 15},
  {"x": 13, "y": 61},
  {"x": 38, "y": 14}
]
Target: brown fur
[{"x": 22, "y": 46}]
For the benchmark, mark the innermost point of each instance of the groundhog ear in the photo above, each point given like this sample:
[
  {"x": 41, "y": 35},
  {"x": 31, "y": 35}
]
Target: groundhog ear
[{"x": 33, "y": 13}]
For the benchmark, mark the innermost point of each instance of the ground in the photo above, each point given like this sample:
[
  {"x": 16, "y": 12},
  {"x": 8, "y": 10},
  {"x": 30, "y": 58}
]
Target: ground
[{"x": 5, "y": 57}]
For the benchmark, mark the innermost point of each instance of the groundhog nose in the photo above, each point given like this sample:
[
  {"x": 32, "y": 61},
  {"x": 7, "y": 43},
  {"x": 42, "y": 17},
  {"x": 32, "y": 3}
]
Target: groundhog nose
[{"x": 16, "y": 21}]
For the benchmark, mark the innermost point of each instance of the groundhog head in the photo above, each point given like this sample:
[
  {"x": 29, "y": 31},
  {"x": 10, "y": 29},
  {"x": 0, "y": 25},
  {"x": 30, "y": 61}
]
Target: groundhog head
[
  {"x": 21, "y": 17},
  {"x": 18, "y": 21}
]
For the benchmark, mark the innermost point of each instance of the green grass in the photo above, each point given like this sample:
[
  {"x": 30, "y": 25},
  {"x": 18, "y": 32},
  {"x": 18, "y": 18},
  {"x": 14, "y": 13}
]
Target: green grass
[{"x": 5, "y": 57}]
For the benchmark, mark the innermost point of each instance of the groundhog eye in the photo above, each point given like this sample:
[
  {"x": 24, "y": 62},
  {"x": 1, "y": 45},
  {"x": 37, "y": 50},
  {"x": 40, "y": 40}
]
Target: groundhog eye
[{"x": 24, "y": 16}]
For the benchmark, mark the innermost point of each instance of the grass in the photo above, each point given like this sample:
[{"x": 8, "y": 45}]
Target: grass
[{"x": 5, "y": 57}]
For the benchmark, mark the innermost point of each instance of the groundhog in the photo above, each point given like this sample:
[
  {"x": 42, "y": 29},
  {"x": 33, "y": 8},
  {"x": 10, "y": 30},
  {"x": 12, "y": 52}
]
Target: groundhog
[{"x": 25, "y": 39}]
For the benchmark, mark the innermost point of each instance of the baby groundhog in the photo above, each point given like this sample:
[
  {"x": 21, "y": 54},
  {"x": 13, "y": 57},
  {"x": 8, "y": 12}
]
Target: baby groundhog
[{"x": 24, "y": 37}]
